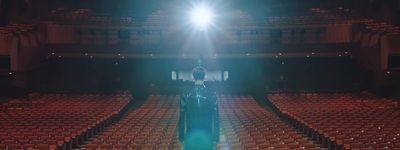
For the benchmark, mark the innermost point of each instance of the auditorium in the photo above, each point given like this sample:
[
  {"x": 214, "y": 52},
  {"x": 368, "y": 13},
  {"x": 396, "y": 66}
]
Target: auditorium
[{"x": 199, "y": 75}]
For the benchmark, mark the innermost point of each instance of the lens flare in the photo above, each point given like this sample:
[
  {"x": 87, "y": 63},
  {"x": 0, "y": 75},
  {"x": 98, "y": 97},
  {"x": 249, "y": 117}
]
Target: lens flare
[{"x": 202, "y": 16}]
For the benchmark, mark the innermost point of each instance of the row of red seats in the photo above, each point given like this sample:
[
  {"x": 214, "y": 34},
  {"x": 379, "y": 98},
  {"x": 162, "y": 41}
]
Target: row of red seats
[
  {"x": 151, "y": 126},
  {"x": 382, "y": 27},
  {"x": 339, "y": 14},
  {"x": 110, "y": 36},
  {"x": 319, "y": 17},
  {"x": 349, "y": 121},
  {"x": 57, "y": 121},
  {"x": 159, "y": 19},
  {"x": 246, "y": 125},
  {"x": 85, "y": 17}
]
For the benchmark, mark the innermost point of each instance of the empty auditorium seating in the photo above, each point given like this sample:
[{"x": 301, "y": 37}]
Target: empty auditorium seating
[
  {"x": 246, "y": 125},
  {"x": 57, "y": 121},
  {"x": 318, "y": 26},
  {"x": 315, "y": 27},
  {"x": 349, "y": 121},
  {"x": 151, "y": 126},
  {"x": 86, "y": 17}
]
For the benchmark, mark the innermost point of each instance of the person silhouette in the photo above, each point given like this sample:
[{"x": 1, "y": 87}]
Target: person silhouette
[{"x": 198, "y": 124}]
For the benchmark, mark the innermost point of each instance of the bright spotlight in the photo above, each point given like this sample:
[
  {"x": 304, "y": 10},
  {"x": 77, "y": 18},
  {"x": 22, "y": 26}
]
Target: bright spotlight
[{"x": 201, "y": 17}]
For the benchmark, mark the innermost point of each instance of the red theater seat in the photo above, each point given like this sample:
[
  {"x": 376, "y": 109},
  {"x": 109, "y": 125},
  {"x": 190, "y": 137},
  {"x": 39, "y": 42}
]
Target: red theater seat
[
  {"x": 153, "y": 126},
  {"x": 43, "y": 146},
  {"x": 15, "y": 146},
  {"x": 256, "y": 125},
  {"x": 139, "y": 129},
  {"x": 58, "y": 120},
  {"x": 350, "y": 121},
  {"x": 28, "y": 146}
]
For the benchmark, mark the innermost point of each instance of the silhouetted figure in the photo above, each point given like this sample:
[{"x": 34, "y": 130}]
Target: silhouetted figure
[{"x": 198, "y": 116}]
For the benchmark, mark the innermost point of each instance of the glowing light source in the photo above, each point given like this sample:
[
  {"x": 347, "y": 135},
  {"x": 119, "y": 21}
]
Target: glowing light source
[{"x": 202, "y": 16}]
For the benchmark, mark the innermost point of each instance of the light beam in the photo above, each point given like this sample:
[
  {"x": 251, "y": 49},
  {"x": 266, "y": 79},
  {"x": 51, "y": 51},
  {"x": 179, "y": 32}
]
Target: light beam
[{"x": 201, "y": 17}]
